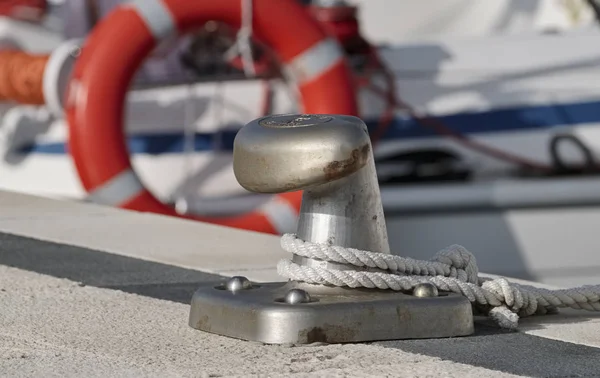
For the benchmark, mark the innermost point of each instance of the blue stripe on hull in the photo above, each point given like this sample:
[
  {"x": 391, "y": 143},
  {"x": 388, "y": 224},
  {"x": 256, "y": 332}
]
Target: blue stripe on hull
[{"x": 504, "y": 120}]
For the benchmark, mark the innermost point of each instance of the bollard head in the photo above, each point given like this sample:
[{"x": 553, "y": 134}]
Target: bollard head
[{"x": 290, "y": 152}]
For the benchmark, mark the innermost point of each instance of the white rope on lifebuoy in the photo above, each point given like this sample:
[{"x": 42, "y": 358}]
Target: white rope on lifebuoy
[
  {"x": 243, "y": 43},
  {"x": 452, "y": 269}
]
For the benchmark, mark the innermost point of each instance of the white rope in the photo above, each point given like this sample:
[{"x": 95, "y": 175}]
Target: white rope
[
  {"x": 453, "y": 269},
  {"x": 243, "y": 44},
  {"x": 182, "y": 205}
]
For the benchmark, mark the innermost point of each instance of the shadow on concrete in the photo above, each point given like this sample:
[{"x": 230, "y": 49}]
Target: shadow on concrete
[{"x": 102, "y": 269}]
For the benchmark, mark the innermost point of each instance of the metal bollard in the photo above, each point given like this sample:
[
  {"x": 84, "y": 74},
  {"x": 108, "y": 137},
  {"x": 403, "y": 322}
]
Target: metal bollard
[
  {"x": 330, "y": 158},
  {"x": 327, "y": 157}
]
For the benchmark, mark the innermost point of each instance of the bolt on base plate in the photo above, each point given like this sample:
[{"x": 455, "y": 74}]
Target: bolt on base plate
[{"x": 298, "y": 313}]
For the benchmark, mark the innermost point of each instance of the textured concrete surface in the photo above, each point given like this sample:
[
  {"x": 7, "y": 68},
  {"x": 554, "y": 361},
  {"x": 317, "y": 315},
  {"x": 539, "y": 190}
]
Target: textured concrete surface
[
  {"x": 573, "y": 326},
  {"x": 505, "y": 351},
  {"x": 82, "y": 268},
  {"x": 150, "y": 237},
  {"x": 55, "y": 328},
  {"x": 97, "y": 292}
]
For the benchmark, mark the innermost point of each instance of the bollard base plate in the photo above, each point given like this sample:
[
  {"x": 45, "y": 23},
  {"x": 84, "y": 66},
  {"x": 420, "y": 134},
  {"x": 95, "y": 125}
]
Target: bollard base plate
[{"x": 334, "y": 315}]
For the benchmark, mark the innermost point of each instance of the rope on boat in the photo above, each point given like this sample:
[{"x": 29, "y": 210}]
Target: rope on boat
[
  {"x": 395, "y": 103},
  {"x": 21, "y": 77},
  {"x": 453, "y": 269}
]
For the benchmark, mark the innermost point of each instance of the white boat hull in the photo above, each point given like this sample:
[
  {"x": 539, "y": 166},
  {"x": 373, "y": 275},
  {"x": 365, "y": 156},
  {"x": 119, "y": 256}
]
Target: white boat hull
[{"x": 511, "y": 92}]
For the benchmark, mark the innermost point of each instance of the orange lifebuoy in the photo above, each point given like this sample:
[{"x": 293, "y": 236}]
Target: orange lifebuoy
[{"x": 117, "y": 47}]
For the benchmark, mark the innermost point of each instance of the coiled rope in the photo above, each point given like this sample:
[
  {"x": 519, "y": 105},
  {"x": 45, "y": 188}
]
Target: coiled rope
[{"x": 453, "y": 269}]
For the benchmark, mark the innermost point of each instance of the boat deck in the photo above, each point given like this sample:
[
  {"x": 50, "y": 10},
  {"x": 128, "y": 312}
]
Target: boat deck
[{"x": 99, "y": 292}]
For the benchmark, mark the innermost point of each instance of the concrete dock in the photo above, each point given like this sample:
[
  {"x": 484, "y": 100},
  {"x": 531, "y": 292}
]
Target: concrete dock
[{"x": 90, "y": 291}]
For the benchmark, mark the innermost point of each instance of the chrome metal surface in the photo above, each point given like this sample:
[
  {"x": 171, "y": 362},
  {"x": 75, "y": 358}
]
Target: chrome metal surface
[
  {"x": 357, "y": 315},
  {"x": 425, "y": 290},
  {"x": 331, "y": 159},
  {"x": 295, "y": 296},
  {"x": 290, "y": 152},
  {"x": 346, "y": 212},
  {"x": 238, "y": 283}
]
